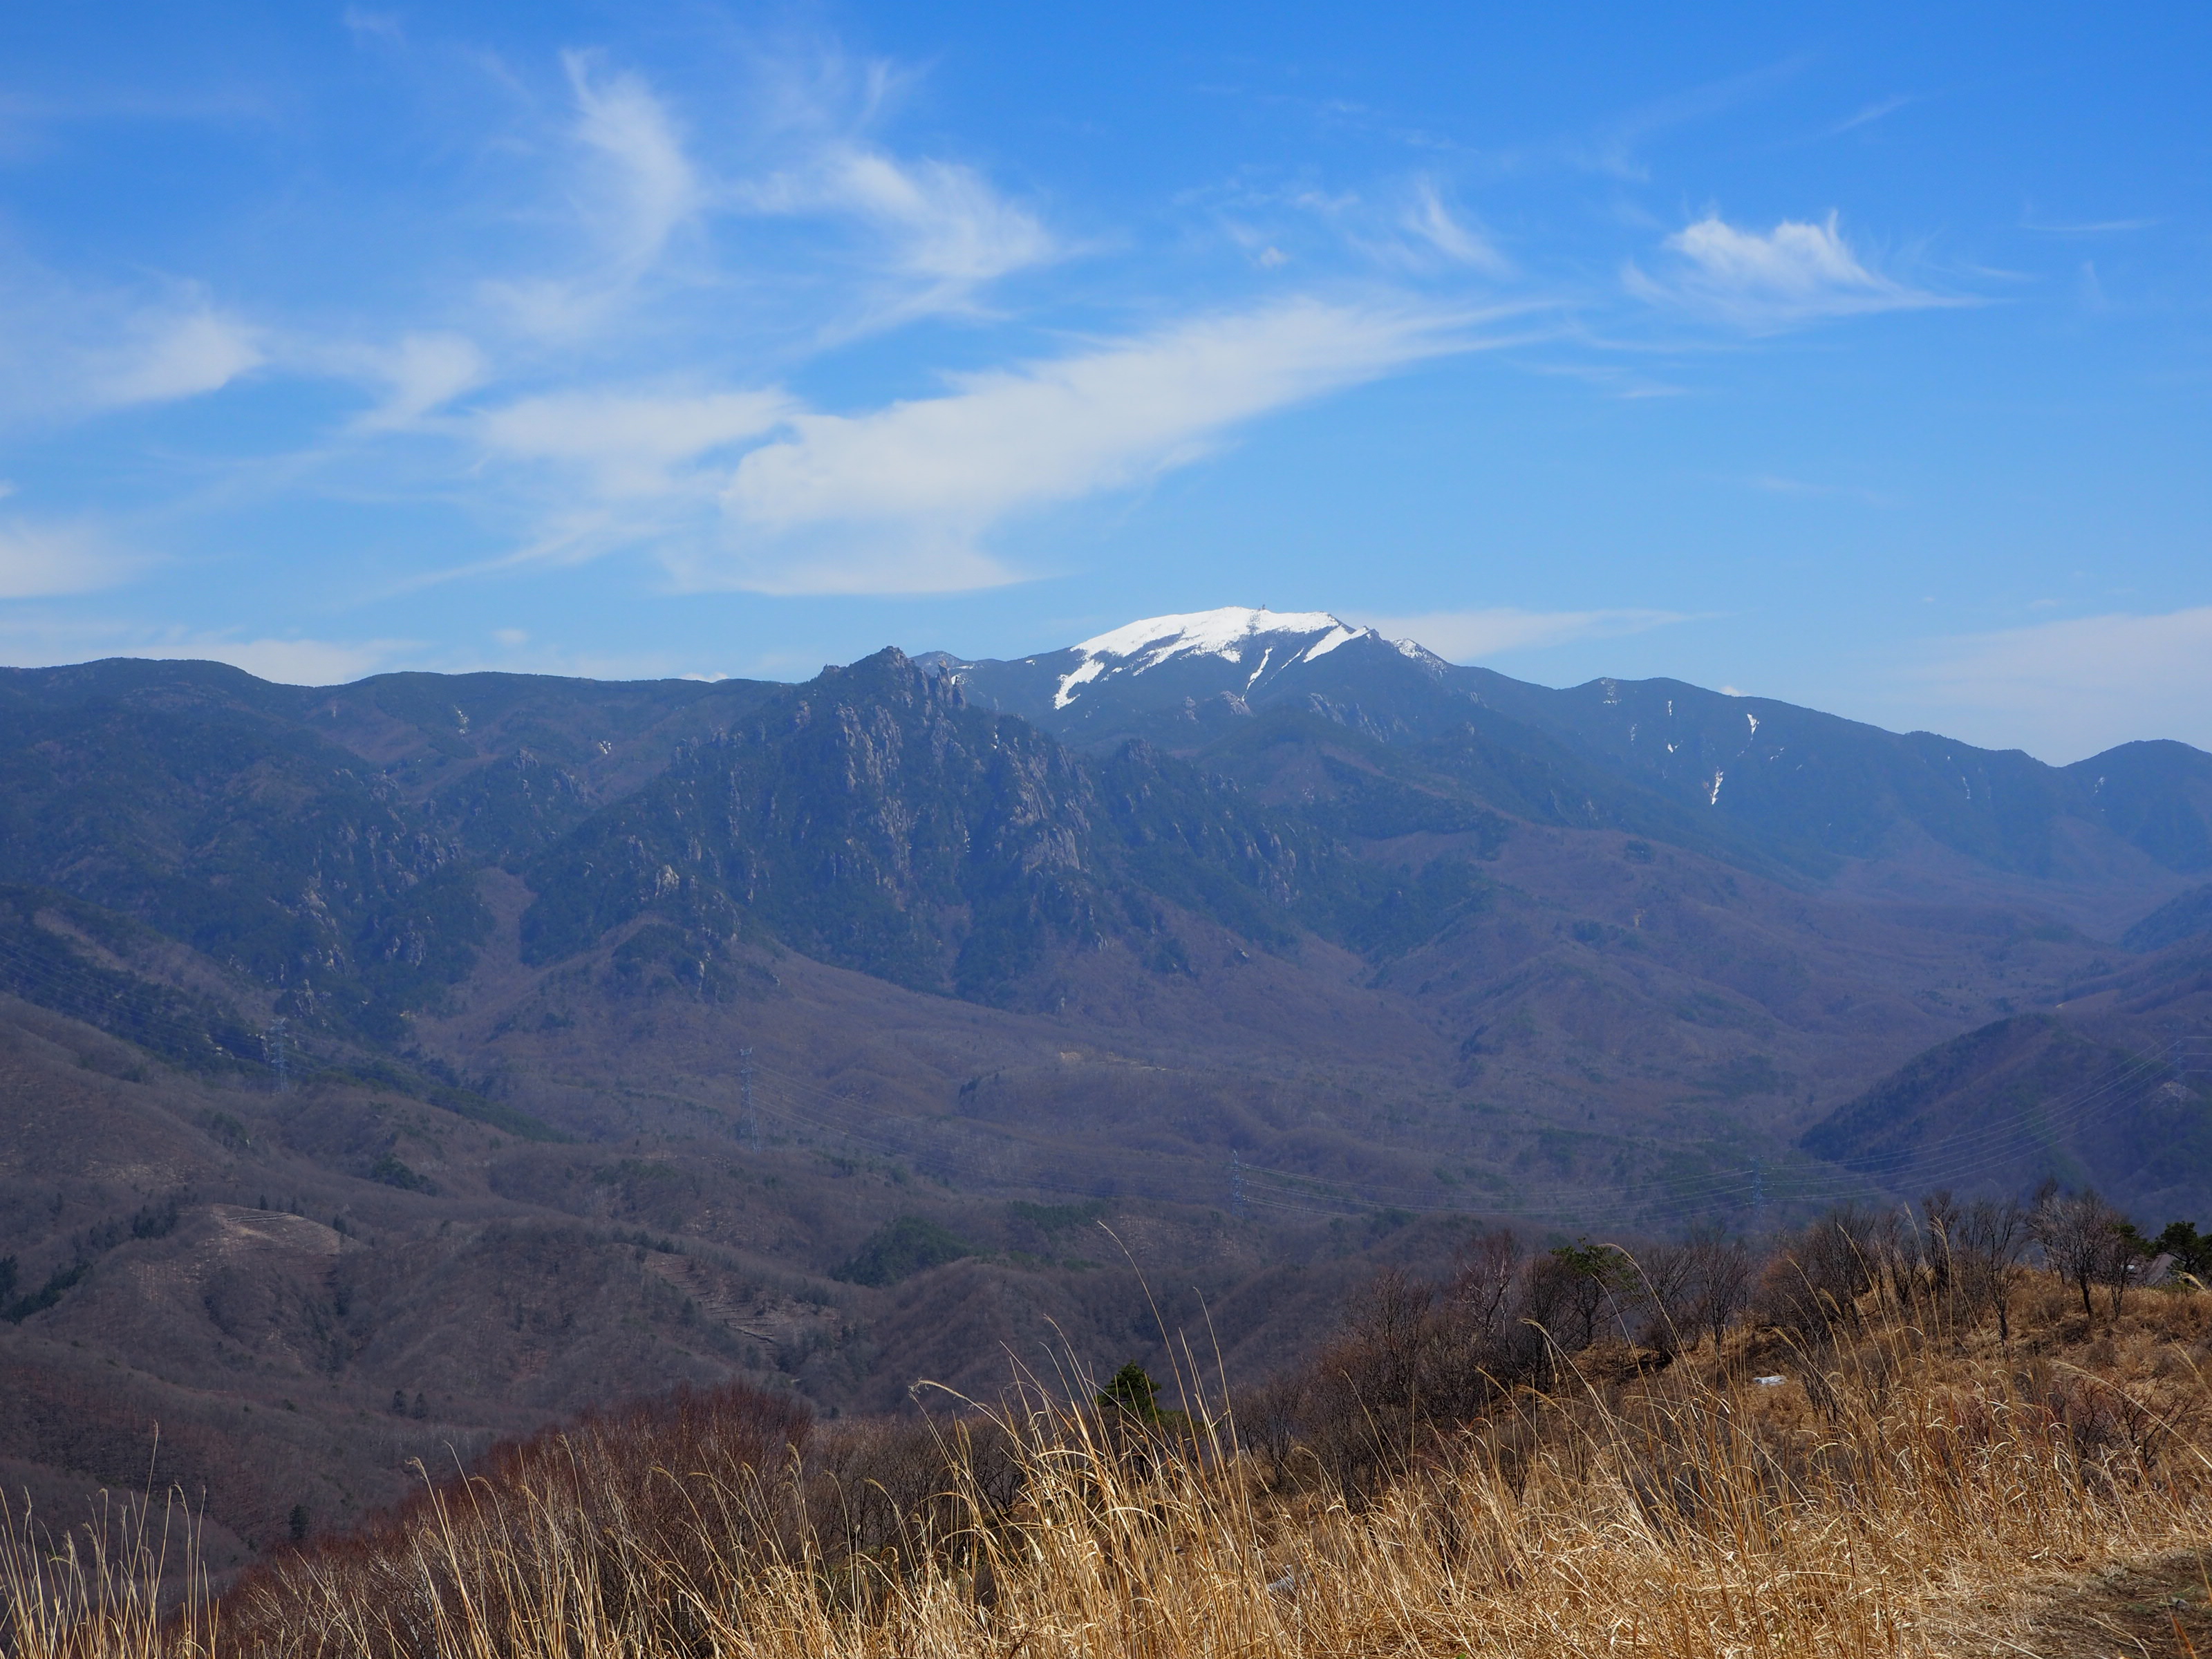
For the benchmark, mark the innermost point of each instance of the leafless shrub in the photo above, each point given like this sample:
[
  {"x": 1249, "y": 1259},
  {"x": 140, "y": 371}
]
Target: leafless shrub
[
  {"x": 1694, "y": 1288},
  {"x": 1811, "y": 1285}
]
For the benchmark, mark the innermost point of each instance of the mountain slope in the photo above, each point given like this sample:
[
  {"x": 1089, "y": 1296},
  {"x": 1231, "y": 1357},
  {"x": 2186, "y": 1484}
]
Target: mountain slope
[
  {"x": 2110, "y": 1089},
  {"x": 321, "y": 841},
  {"x": 191, "y": 801},
  {"x": 874, "y": 819},
  {"x": 2178, "y": 919}
]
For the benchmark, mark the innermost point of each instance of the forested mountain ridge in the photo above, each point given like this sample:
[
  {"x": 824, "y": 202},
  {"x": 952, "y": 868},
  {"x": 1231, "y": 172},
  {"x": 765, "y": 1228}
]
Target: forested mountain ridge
[{"x": 1788, "y": 779}]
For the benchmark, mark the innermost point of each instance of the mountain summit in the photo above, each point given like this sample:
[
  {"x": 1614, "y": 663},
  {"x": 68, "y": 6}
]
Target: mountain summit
[
  {"x": 1261, "y": 640},
  {"x": 1235, "y": 658}
]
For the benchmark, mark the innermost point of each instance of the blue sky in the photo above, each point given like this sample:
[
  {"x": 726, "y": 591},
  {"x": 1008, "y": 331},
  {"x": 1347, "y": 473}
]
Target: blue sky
[{"x": 1858, "y": 356}]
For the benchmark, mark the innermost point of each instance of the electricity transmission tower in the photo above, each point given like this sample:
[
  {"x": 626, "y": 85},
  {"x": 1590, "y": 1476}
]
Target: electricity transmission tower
[{"x": 273, "y": 1042}]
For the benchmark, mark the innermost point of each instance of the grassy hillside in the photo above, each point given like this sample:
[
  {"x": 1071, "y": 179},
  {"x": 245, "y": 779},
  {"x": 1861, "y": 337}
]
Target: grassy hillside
[{"x": 1887, "y": 1474}]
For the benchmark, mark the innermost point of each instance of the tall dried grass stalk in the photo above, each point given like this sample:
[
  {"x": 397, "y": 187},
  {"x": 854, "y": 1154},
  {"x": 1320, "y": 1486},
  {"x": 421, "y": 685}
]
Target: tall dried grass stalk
[{"x": 128, "y": 1584}]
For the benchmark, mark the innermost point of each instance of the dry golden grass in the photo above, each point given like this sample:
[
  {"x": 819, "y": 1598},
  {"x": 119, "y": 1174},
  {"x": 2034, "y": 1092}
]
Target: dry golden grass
[{"x": 1913, "y": 1489}]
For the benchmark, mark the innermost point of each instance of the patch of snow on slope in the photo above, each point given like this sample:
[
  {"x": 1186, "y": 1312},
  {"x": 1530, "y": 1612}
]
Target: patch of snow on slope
[
  {"x": 1090, "y": 669},
  {"x": 1335, "y": 636}
]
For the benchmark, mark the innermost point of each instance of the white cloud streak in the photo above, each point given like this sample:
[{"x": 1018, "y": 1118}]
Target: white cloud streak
[
  {"x": 1472, "y": 635},
  {"x": 734, "y": 483},
  {"x": 294, "y": 662},
  {"x": 1797, "y": 273},
  {"x": 43, "y": 637},
  {"x": 69, "y": 350},
  {"x": 901, "y": 498},
  {"x": 1868, "y": 114},
  {"x": 176, "y": 356},
  {"x": 2067, "y": 689},
  {"x": 423, "y": 373},
  {"x": 924, "y": 235}
]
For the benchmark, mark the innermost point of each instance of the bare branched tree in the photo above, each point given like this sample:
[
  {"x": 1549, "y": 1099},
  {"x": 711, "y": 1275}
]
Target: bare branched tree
[
  {"x": 2080, "y": 1237},
  {"x": 1987, "y": 1241},
  {"x": 1483, "y": 1279}
]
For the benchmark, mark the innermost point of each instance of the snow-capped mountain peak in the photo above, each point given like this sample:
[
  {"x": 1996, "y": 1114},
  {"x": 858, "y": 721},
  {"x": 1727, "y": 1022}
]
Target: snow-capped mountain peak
[{"x": 1232, "y": 632}]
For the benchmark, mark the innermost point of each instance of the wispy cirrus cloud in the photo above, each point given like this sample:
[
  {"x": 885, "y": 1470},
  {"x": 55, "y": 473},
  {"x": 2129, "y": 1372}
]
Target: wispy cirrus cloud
[
  {"x": 422, "y": 374},
  {"x": 1617, "y": 147},
  {"x": 902, "y": 498},
  {"x": 2087, "y": 227},
  {"x": 1799, "y": 273},
  {"x": 1868, "y": 114},
  {"x": 290, "y": 661},
  {"x": 1411, "y": 227},
  {"x": 942, "y": 232},
  {"x": 42, "y": 636},
  {"x": 1472, "y": 635},
  {"x": 1437, "y": 224},
  {"x": 631, "y": 185},
  {"x": 611, "y": 372}
]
